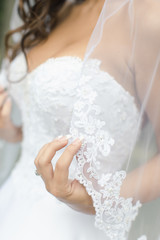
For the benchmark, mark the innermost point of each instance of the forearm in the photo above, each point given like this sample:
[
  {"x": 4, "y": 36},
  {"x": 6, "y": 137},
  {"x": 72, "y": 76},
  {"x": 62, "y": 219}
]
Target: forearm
[{"x": 143, "y": 183}]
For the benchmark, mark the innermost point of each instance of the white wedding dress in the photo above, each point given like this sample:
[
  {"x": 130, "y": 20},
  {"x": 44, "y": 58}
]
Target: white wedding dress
[{"x": 46, "y": 97}]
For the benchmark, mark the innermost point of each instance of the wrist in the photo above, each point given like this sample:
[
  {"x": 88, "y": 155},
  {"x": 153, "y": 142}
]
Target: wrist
[{"x": 90, "y": 210}]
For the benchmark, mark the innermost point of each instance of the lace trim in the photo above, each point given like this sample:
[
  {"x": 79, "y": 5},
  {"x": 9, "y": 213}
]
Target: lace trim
[{"x": 114, "y": 214}]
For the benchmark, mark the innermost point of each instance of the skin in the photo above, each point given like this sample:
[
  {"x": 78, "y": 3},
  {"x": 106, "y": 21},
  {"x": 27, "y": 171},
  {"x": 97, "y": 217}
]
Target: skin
[
  {"x": 57, "y": 182},
  {"x": 8, "y": 131}
]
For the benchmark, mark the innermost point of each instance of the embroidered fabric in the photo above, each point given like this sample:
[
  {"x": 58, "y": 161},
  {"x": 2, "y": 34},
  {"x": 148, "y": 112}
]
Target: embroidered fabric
[
  {"x": 114, "y": 214},
  {"x": 46, "y": 104},
  {"x": 126, "y": 41}
]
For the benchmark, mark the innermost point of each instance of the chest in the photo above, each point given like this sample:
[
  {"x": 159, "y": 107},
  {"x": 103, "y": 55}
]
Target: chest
[{"x": 71, "y": 37}]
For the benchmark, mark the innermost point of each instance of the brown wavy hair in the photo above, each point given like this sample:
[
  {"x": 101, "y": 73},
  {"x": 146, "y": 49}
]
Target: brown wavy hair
[{"x": 39, "y": 18}]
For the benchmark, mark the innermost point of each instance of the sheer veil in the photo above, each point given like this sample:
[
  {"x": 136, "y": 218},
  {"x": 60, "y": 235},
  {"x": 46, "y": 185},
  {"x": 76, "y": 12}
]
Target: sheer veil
[
  {"x": 119, "y": 185},
  {"x": 121, "y": 169}
]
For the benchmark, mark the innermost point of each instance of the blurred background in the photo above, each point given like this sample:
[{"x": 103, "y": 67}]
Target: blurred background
[
  {"x": 8, "y": 152},
  {"x": 5, "y": 13}
]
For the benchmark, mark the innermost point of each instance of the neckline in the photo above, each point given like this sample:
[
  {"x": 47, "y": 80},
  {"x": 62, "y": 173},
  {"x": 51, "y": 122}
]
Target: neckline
[
  {"x": 80, "y": 60},
  {"x": 53, "y": 59}
]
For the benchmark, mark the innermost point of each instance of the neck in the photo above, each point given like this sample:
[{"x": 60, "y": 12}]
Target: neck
[
  {"x": 84, "y": 1},
  {"x": 86, "y": 6},
  {"x": 89, "y": 3}
]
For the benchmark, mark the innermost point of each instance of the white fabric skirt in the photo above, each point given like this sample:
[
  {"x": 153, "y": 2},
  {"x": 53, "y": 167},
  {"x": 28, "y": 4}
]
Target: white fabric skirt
[{"x": 29, "y": 212}]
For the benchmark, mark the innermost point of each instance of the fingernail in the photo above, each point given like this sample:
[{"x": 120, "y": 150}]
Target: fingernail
[
  {"x": 81, "y": 138},
  {"x": 68, "y": 136},
  {"x": 78, "y": 140},
  {"x": 64, "y": 138},
  {"x": 59, "y": 136}
]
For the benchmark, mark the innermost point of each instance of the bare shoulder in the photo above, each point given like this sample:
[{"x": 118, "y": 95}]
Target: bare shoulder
[
  {"x": 147, "y": 15},
  {"x": 146, "y": 57}
]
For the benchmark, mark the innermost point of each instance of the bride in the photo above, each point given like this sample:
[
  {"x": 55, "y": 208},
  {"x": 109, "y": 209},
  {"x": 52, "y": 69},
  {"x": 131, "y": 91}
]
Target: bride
[{"x": 85, "y": 76}]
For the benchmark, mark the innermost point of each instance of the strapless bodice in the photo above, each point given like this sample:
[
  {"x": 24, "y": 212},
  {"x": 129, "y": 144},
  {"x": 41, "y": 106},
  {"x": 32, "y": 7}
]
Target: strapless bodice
[{"x": 46, "y": 97}]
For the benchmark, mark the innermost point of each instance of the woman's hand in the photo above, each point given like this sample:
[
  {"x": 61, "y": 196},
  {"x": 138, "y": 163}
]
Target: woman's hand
[
  {"x": 8, "y": 131},
  {"x": 57, "y": 183}
]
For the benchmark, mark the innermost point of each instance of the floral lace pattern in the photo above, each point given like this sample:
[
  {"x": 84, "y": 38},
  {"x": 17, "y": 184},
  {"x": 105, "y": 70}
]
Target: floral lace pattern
[
  {"x": 104, "y": 113},
  {"x": 114, "y": 214}
]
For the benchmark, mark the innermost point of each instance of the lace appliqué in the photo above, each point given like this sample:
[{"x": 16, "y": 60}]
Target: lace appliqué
[{"x": 114, "y": 214}]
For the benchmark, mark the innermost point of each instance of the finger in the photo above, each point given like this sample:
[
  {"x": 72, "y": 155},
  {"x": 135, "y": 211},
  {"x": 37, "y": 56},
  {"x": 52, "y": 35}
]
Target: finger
[
  {"x": 6, "y": 109},
  {"x": 44, "y": 158},
  {"x": 62, "y": 165},
  {"x": 49, "y": 150},
  {"x": 3, "y": 97},
  {"x": 40, "y": 153}
]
